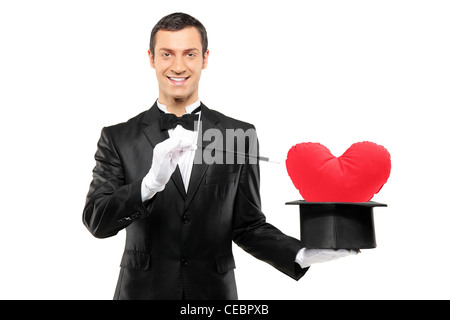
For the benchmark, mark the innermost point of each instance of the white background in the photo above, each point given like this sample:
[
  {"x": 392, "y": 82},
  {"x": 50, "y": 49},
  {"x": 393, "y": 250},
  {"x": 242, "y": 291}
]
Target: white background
[{"x": 334, "y": 72}]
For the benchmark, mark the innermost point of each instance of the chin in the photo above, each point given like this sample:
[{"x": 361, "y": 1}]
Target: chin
[{"x": 180, "y": 96}]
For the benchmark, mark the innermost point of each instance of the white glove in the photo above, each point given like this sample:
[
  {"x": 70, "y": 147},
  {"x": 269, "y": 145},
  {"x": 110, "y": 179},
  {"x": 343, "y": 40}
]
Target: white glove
[
  {"x": 165, "y": 159},
  {"x": 306, "y": 257}
]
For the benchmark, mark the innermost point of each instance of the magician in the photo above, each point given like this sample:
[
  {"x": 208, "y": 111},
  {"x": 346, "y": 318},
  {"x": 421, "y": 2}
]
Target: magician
[{"x": 181, "y": 215}]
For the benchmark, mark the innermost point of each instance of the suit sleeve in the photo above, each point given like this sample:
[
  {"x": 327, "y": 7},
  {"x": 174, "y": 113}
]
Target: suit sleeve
[
  {"x": 111, "y": 205},
  {"x": 251, "y": 231}
]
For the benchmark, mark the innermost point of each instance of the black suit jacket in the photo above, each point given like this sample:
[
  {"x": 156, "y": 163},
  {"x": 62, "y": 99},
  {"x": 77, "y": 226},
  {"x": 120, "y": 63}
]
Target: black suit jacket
[{"x": 179, "y": 244}]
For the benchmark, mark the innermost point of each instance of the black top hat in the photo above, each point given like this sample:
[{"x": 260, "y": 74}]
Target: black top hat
[{"x": 337, "y": 225}]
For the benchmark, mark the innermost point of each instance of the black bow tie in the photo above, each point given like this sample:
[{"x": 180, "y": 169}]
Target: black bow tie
[{"x": 170, "y": 121}]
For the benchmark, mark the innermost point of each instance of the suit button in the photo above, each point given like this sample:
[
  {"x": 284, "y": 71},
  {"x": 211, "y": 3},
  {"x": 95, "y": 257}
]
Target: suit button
[
  {"x": 185, "y": 219},
  {"x": 184, "y": 262}
]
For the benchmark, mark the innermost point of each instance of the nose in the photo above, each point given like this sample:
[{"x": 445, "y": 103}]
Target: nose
[{"x": 178, "y": 65}]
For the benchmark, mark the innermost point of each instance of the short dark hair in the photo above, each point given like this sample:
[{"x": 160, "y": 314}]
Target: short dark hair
[{"x": 177, "y": 21}]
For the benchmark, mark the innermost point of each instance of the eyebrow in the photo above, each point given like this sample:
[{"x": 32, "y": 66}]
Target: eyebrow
[
  {"x": 186, "y": 50},
  {"x": 191, "y": 49}
]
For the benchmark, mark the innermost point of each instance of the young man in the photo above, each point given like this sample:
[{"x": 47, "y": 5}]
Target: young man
[{"x": 181, "y": 214}]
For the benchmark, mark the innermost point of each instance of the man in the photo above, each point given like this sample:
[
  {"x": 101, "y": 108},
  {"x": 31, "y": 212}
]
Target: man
[{"x": 180, "y": 213}]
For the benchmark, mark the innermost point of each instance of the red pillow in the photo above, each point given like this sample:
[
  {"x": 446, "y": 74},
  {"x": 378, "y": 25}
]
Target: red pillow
[{"x": 355, "y": 176}]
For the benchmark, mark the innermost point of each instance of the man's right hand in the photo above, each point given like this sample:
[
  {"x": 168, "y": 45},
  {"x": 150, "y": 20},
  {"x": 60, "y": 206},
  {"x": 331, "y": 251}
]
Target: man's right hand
[{"x": 165, "y": 159}]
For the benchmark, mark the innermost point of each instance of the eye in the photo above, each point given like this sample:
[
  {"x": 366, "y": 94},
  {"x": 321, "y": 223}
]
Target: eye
[
  {"x": 191, "y": 55},
  {"x": 166, "y": 55}
]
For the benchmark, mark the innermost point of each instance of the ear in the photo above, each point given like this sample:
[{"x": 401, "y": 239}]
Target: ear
[
  {"x": 205, "y": 59},
  {"x": 151, "y": 58}
]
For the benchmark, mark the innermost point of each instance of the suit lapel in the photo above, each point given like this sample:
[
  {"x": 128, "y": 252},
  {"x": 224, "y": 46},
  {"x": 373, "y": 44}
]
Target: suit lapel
[
  {"x": 208, "y": 121},
  {"x": 155, "y": 135}
]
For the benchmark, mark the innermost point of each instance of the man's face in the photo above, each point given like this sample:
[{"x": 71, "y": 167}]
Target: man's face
[{"x": 178, "y": 63}]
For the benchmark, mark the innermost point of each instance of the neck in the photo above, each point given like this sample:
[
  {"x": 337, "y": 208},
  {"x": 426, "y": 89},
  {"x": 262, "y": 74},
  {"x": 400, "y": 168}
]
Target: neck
[{"x": 177, "y": 106}]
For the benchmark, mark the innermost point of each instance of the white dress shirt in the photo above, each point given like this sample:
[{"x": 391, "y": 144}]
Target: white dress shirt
[{"x": 187, "y": 159}]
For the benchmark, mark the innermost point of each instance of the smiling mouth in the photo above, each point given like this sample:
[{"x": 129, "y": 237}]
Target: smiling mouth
[{"x": 178, "y": 80}]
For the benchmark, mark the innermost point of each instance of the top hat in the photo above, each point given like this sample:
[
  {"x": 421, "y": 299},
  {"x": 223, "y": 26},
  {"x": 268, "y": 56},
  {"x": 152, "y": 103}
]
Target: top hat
[{"x": 337, "y": 225}]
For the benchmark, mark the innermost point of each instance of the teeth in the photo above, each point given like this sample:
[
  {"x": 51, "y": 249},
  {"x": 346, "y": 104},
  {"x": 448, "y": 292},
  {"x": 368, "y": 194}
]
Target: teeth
[{"x": 178, "y": 79}]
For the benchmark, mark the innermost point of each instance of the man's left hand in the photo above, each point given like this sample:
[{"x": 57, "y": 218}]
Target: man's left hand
[{"x": 307, "y": 257}]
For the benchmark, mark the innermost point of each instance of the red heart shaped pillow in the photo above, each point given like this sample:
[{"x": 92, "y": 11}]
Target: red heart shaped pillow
[{"x": 355, "y": 176}]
